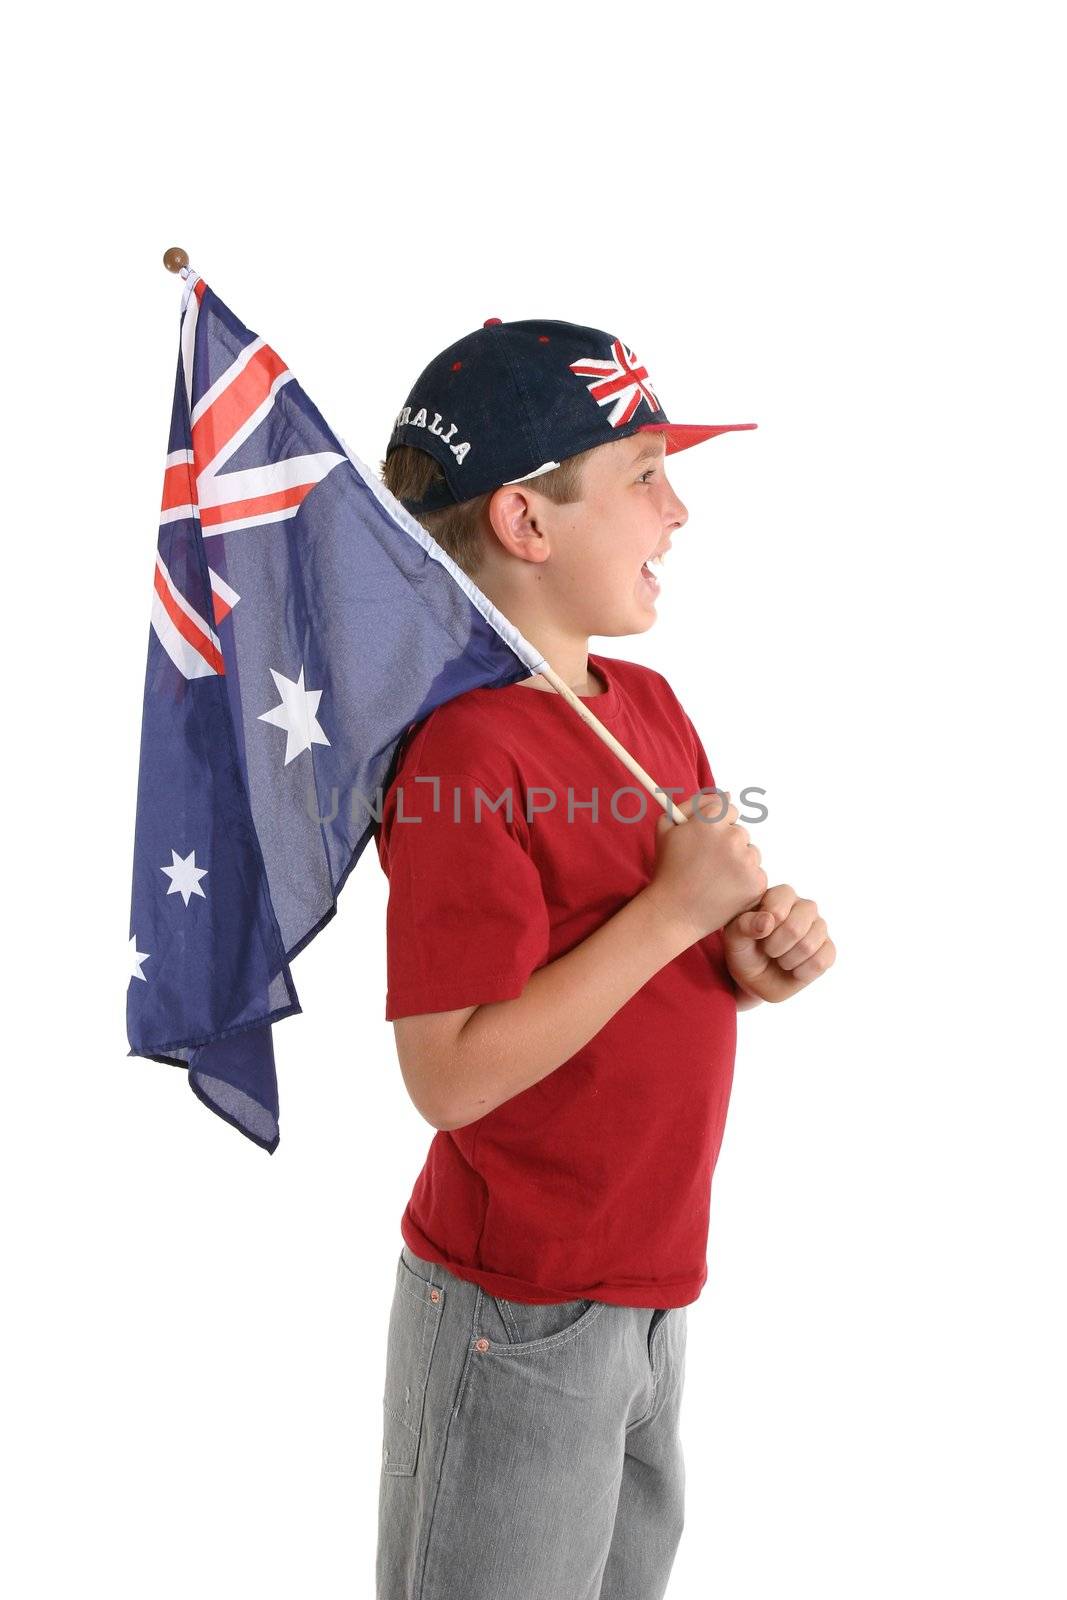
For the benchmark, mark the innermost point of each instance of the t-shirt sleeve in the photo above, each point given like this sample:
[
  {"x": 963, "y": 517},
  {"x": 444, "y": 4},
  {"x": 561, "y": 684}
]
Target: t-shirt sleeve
[{"x": 466, "y": 920}]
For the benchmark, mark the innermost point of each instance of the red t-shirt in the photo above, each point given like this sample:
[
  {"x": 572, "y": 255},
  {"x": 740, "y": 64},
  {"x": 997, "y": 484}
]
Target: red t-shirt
[{"x": 594, "y": 1183}]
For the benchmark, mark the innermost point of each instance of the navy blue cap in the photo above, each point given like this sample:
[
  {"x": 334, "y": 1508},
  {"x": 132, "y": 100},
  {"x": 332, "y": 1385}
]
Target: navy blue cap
[{"x": 515, "y": 399}]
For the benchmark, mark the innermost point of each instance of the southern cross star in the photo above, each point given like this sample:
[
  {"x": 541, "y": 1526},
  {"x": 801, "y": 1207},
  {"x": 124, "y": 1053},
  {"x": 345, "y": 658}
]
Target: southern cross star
[
  {"x": 185, "y": 875},
  {"x": 136, "y": 957}
]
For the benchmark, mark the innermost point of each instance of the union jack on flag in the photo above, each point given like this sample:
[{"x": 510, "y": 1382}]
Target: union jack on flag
[
  {"x": 301, "y": 620},
  {"x": 621, "y": 382}
]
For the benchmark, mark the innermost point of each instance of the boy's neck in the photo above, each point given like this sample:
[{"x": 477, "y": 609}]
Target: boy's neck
[{"x": 570, "y": 659}]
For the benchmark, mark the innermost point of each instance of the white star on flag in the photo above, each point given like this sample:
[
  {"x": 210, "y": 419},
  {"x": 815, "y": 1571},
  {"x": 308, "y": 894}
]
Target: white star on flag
[
  {"x": 296, "y": 714},
  {"x": 136, "y": 957},
  {"x": 185, "y": 875}
]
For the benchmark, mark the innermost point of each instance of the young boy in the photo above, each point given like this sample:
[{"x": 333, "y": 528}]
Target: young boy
[{"x": 565, "y": 966}]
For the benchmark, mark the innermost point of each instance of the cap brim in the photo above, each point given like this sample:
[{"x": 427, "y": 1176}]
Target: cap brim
[{"x": 680, "y": 435}]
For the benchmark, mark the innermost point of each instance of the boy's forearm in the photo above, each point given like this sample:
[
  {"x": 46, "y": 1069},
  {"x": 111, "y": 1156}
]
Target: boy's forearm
[{"x": 508, "y": 1045}]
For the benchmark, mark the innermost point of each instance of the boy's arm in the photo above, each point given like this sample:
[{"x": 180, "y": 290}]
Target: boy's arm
[{"x": 459, "y": 1065}]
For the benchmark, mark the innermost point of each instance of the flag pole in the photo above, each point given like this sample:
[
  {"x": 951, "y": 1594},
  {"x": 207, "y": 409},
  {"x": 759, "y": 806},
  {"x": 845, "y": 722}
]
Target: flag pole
[{"x": 177, "y": 260}]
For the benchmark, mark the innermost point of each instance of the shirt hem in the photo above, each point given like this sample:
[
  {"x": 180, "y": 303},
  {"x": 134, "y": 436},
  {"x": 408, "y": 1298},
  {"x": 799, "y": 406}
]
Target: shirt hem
[
  {"x": 667, "y": 1296},
  {"x": 453, "y": 996}
]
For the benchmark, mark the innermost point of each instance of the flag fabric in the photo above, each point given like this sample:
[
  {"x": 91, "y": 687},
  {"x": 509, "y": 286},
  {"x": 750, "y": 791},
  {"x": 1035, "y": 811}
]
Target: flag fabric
[{"x": 301, "y": 621}]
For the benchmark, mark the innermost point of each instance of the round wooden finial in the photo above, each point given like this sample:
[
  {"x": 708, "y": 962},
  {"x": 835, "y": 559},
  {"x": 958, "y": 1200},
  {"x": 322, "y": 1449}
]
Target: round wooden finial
[{"x": 175, "y": 258}]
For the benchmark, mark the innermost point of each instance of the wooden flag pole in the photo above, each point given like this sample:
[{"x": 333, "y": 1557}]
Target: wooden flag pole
[
  {"x": 176, "y": 260},
  {"x": 613, "y": 744}
]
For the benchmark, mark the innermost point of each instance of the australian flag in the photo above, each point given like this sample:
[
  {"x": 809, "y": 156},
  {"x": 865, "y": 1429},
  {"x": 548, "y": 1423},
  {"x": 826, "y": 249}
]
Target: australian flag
[{"x": 301, "y": 620}]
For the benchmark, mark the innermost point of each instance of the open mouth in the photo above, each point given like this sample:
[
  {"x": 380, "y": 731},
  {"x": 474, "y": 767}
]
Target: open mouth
[{"x": 651, "y": 571}]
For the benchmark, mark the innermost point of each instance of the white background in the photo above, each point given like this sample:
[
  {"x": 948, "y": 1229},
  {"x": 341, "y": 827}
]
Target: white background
[{"x": 842, "y": 222}]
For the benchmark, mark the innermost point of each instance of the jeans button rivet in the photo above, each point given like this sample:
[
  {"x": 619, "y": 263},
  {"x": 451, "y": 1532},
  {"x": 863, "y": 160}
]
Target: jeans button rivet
[{"x": 482, "y": 1344}]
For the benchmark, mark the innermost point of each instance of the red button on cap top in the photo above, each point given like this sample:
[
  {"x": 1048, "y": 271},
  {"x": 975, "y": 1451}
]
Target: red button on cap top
[{"x": 491, "y": 322}]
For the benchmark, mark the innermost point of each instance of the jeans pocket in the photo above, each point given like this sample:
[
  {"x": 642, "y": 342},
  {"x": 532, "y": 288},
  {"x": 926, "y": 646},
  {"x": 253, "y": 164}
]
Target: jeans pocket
[
  {"x": 414, "y": 1320},
  {"x": 520, "y": 1325}
]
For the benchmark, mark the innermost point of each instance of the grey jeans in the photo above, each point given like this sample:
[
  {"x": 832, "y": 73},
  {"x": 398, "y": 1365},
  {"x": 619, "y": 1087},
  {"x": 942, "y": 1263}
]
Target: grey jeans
[{"x": 527, "y": 1450}]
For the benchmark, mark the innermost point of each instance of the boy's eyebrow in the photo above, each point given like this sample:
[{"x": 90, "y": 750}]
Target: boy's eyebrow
[{"x": 650, "y": 452}]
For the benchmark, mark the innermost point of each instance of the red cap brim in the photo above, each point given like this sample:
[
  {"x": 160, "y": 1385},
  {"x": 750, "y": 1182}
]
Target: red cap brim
[{"x": 680, "y": 435}]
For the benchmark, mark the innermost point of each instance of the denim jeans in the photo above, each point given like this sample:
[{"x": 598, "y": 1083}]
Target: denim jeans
[{"x": 528, "y": 1450}]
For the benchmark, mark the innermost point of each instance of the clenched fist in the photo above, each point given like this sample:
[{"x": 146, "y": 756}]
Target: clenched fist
[{"x": 778, "y": 947}]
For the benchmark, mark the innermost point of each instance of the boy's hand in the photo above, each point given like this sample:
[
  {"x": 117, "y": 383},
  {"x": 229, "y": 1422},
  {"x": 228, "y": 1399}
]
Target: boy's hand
[
  {"x": 777, "y": 948},
  {"x": 707, "y": 868}
]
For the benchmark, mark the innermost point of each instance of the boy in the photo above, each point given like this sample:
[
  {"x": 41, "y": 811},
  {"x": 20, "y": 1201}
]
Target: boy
[{"x": 565, "y": 965}]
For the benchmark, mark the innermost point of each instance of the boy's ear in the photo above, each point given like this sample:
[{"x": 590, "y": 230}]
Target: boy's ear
[{"x": 512, "y": 514}]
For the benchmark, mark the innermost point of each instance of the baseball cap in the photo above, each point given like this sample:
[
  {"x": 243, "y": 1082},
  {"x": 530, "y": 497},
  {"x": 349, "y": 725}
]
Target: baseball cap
[{"x": 514, "y": 399}]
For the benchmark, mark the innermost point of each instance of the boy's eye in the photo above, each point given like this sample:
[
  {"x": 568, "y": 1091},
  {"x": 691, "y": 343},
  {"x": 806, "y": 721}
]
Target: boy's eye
[{"x": 647, "y": 474}]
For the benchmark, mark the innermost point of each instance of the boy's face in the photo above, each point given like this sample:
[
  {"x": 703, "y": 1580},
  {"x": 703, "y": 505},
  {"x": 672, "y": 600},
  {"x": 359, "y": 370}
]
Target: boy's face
[{"x": 586, "y": 560}]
